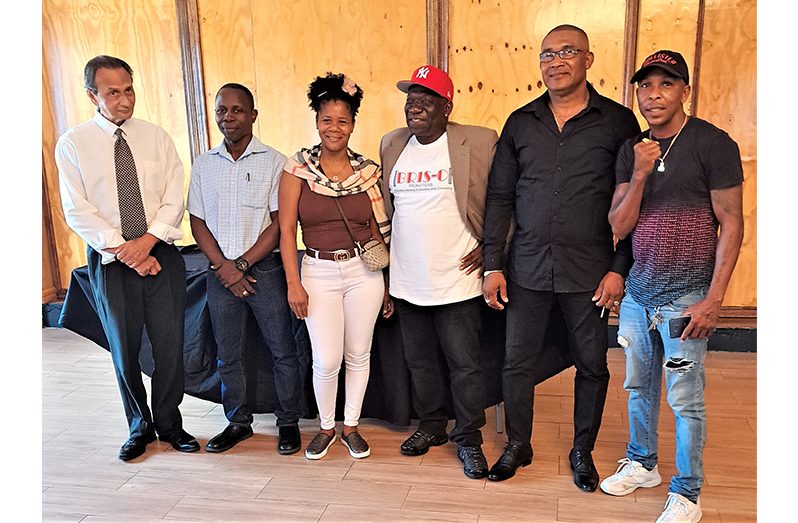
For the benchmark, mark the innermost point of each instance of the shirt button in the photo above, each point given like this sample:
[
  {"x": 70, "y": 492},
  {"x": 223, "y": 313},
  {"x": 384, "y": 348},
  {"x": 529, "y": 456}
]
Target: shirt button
[
  {"x": 559, "y": 168},
  {"x": 556, "y": 193},
  {"x": 562, "y": 143}
]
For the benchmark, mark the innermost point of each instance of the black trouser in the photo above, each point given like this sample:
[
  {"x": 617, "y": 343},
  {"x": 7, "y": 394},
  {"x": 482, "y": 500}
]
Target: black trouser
[
  {"x": 126, "y": 303},
  {"x": 452, "y": 329},
  {"x": 528, "y": 314}
]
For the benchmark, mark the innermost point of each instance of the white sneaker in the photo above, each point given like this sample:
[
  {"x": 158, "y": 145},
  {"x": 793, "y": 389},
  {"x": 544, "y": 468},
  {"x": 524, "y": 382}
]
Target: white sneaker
[
  {"x": 679, "y": 509},
  {"x": 629, "y": 476}
]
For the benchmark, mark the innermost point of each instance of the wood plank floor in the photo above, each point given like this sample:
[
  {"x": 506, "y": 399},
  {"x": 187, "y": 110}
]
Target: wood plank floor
[{"x": 84, "y": 426}]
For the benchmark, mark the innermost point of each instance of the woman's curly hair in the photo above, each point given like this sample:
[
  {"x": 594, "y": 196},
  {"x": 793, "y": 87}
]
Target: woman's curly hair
[{"x": 335, "y": 87}]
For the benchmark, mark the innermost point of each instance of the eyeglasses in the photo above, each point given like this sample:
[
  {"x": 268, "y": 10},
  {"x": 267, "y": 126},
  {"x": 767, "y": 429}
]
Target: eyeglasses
[{"x": 564, "y": 54}]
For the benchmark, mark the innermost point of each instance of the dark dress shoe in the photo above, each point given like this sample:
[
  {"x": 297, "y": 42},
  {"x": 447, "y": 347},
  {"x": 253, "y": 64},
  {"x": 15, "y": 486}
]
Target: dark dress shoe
[
  {"x": 515, "y": 455},
  {"x": 586, "y": 476},
  {"x": 182, "y": 441},
  {"x": 228, "y": 438},
  {"x": 420, "y": 442},
  {"x": 290, "y": 440},
  {"x": 475, "y": 465},
  {"x": 135, "y": 446}
]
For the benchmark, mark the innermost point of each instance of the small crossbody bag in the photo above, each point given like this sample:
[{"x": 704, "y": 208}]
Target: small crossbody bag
[{"x": 374, "y": 253}]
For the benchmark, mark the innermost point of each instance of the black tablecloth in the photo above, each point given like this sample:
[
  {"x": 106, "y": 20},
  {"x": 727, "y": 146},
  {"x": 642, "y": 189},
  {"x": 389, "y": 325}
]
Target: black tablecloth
[{"x": 388, "y": 396}]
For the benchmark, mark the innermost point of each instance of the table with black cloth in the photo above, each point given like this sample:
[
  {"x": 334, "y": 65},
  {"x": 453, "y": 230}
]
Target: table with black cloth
[{"x": 388, "y": 396}]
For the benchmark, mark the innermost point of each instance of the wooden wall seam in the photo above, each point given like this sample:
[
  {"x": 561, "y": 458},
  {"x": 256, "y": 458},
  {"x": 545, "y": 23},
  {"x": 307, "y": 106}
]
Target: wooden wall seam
[
  {"x": 630, "y": 33},
  {"x": 699, "y": 44},
  {"x": 438, "y": 34},
  {"x": 191, "y": 57}
]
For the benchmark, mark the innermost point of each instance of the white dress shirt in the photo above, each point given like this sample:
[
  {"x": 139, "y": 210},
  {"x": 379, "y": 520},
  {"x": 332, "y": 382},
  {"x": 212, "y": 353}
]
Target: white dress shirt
[
  {"x": 87, "y": 177},
  {"x": 235, "y": 197}
]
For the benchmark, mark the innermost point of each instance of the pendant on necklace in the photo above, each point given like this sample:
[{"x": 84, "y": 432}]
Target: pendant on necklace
[
  {"x": 335, "y": 178},
  {"x": 661, "y": 167}
]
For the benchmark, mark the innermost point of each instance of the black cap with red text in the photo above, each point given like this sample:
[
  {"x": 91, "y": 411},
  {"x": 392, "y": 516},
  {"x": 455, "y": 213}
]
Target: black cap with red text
[{"x": 669, "y": 61}]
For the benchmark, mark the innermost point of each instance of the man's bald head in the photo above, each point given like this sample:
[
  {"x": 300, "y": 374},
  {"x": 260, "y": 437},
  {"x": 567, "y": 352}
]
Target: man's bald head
[{"x": 567, "y": 27}]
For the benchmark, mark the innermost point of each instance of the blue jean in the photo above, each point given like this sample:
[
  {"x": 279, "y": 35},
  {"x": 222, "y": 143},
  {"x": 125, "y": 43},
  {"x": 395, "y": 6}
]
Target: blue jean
[
  {"x": 229, "y": 320},
  {"x": 643, "y": 333}
]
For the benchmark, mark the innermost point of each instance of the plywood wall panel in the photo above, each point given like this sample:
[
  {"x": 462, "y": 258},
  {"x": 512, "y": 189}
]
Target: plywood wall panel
[
  {"x": 228, "y": 53},
  {"x": 666, "y": 24},
  {"x": 494, "y": 47},
  {"x": 278, "y": 47},
  {"x": 143, "y": 33},
  {"x": 727, "y": 98}
]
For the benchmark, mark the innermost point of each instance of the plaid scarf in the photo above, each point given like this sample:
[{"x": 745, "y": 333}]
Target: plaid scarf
[{"x": 305, "y": 164}]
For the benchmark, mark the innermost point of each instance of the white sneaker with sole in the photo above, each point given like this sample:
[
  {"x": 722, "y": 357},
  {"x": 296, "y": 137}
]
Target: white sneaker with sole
[
  {"x": 679, "y": 509},
  {"x": 629, "y": 476}
]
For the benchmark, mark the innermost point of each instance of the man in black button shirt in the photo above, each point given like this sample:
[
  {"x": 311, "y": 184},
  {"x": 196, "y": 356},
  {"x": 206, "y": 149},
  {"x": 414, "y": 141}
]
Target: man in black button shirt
[{"x": 553, "y": 173}]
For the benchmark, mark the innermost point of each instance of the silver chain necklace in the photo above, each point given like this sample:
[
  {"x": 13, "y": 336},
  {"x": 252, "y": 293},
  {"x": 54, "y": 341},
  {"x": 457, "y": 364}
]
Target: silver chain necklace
[{"x": 661, "y": 166}]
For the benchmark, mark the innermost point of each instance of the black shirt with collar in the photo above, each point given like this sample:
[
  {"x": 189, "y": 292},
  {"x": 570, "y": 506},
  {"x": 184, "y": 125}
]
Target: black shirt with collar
[{"x": 558, "y": 186}]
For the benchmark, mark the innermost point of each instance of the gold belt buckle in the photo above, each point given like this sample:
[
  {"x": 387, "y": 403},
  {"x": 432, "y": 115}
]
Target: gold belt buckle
[{"x": 341, "y": 256}]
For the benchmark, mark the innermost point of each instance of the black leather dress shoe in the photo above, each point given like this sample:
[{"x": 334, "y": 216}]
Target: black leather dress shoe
[
  {"x": 515, "y": 455},
  {"x": 135, "y": 446},
  {"x": 420, "y": 442},
  {"x": 228, "y": 438},
  {"x": 475, "y": 466},
  {"x": 290, "y": 440},
  {"x": 182, "y": 441},
  {"x": 585, "y": 474}
]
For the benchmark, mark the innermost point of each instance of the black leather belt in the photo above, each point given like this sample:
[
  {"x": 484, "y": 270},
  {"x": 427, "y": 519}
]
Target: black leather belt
[{"x": 339, "y": 255}]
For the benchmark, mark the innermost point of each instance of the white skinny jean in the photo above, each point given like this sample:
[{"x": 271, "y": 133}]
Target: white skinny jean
[{"x": 344, "y": 299}]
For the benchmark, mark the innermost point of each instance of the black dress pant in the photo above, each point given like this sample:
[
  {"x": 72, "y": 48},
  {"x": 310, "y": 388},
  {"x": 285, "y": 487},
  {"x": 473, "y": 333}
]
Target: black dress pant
[
  {"x": 126, "y": 303},
  {"x": 452, "y": 331},
  {"x": 528, "y": 314}
]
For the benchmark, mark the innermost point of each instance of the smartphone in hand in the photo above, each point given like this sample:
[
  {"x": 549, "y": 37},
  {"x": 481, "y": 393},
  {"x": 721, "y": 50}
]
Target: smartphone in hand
[{"x": 676, "y": 326}]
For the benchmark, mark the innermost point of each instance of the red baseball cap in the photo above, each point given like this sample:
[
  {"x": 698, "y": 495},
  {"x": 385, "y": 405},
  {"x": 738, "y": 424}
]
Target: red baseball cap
[{"x": 432, "y": 78}]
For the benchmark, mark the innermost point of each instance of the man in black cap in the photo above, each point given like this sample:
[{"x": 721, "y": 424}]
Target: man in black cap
[
  {"x": 436, "y": 172},
  {"x": 677, "y": 183}
]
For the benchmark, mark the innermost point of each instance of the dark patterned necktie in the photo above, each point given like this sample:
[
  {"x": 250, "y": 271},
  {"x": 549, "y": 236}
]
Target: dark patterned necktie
[{"x": 131, "y": 207}]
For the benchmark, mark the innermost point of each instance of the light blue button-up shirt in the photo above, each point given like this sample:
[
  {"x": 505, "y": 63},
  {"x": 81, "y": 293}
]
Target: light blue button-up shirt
[{"x": 235, "y": 197}]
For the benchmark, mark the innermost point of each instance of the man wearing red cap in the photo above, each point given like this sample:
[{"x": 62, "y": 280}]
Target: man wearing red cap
[
  {"x": 554, "y": 175},
  {"x": 436, "y": 172},
  {"x": 677, "y": 183}
]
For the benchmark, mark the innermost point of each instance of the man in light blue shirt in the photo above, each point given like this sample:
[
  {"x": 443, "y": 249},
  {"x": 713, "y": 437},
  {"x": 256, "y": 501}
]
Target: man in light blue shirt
[{"x": 232, "y": 203}]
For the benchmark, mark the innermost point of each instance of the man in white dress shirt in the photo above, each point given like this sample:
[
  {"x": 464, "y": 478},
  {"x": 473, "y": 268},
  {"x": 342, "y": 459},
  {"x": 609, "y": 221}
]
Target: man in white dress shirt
[{"x": 122, "y": 192}]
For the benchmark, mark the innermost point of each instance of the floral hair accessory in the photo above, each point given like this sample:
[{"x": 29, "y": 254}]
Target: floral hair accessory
[{"x": 349, "y": 86}]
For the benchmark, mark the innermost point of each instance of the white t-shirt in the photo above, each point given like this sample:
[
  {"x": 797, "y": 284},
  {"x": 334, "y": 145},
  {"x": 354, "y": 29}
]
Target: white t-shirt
[{"x": 428, "y": 236}]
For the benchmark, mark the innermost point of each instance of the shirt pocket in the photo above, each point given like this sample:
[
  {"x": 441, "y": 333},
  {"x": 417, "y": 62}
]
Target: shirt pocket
[
  {"x": 255, "y": 192},
  {"x": 152, "y": 181}
]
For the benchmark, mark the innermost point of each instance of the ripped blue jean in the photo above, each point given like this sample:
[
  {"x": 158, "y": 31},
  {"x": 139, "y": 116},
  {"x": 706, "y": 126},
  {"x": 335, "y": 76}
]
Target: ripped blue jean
[{"x": 643, "y": 334}]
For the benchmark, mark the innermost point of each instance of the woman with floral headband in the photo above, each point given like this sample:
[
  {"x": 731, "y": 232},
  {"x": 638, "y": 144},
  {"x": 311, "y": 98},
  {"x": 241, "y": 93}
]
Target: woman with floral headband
[{"x": 324, "y": 187}]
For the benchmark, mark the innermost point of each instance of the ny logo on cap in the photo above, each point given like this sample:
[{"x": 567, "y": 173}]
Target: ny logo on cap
[{"x": 422, "y": 72}]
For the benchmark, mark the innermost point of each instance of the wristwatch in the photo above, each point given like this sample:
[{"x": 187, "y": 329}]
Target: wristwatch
[{"x": 242, "y": 264}]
